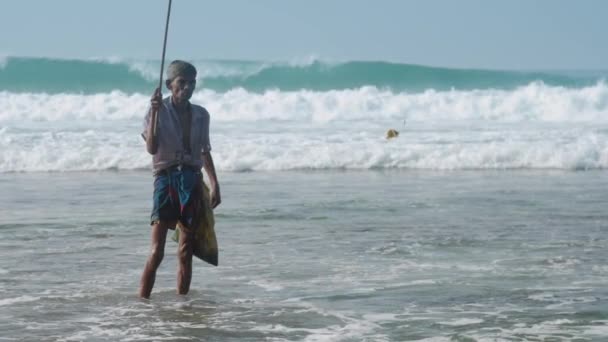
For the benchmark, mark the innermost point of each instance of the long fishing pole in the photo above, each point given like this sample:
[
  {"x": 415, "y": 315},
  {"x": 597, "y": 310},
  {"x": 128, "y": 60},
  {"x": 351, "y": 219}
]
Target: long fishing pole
[{"x": 162, "y": 62}]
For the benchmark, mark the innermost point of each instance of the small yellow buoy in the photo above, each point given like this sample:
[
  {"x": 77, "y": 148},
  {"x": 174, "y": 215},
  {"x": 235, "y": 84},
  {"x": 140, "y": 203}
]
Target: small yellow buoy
[{"x": 392, "y": 133}]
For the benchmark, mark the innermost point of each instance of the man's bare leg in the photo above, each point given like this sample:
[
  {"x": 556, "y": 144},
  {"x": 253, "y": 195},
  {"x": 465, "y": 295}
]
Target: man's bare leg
[
  {"x": 184, "y": 255},
  {"x": 157, "y": 251}
]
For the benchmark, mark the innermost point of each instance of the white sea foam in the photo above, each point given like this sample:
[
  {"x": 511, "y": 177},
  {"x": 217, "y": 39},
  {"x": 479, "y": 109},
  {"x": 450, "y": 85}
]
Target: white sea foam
[
  {"x": 351, "y": 329},
  {"x": 462, "y": 322},
  {"x": 381, "y": 317},
  {"x": 102, "y": 150},
  {"x": 149, "y": 69},
  {"x": 533, "y": 103},
  {"x": 40, "y": 107},
  {"x": 533, "y": 127},
  {"x": 311, "y": 59},
  {"x": 16, "y": 300},
  {"x": 599, "y": 328},
  {"x": 108, "y": 59},
  {"x": 266, "y": 285},
  {"x": 435, "y": 339}
]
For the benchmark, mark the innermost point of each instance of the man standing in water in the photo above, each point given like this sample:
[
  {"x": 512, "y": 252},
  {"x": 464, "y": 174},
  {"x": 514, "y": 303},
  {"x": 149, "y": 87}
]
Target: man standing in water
[{"x": 180, "y": 148}]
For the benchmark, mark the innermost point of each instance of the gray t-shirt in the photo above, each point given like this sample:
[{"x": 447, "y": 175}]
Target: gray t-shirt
[{"x": 170, "y": 142}]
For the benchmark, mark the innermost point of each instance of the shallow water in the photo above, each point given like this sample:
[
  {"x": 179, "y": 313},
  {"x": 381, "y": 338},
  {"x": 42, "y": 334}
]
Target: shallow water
[{"x": 314, "y": 256}]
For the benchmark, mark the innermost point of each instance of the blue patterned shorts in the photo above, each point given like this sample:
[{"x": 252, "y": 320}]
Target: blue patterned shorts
[{"x": 176, "y": 190}]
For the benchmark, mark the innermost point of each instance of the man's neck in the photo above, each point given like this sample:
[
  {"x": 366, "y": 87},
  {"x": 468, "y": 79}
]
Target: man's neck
[{"x": 180, "y": 107}]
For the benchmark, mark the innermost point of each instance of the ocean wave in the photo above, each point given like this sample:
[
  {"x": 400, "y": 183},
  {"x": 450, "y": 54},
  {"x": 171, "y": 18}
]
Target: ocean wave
[
  {"x": 535, "y": 126},
  {"x": 87, "y": 76},
  {"x": 535, "y": 102},
  {"x": 302, "y": 149}
]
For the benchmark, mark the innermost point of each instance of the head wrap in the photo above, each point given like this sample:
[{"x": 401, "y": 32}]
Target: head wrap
[{"x": 180, "y": 68}]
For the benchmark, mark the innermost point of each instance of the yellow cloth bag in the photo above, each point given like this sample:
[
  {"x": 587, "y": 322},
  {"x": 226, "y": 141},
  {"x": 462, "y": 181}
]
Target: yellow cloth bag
[{"x": 205, "y": 242}]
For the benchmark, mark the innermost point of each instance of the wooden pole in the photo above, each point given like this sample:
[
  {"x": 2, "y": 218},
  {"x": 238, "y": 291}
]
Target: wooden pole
[{"x": 162, "y": 63}]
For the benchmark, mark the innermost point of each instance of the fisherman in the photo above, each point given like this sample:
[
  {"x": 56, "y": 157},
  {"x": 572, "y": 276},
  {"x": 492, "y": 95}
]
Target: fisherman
[{"x": 180, "y": 148}]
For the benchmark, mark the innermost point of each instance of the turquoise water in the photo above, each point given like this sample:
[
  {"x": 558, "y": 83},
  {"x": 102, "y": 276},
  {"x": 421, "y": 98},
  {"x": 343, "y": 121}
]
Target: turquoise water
[
  {"x": 18, "y": 74},
  {"x": 314, "y": 256}
]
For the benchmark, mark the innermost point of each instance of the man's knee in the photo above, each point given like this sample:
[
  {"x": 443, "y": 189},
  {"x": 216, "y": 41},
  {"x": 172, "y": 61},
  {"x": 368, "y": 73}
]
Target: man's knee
[
  {"x": 156, "y": 255},
  {"x": 185, "y": 247},
  {"x": 185, "y": 254}
]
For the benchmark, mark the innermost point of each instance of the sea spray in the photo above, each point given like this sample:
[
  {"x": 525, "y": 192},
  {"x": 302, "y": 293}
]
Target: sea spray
[{"x": 73, "y": 115}]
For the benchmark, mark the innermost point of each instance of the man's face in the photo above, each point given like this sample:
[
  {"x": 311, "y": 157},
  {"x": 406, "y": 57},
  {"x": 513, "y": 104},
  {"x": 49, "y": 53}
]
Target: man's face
[{"x": 182, "y": 87}]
